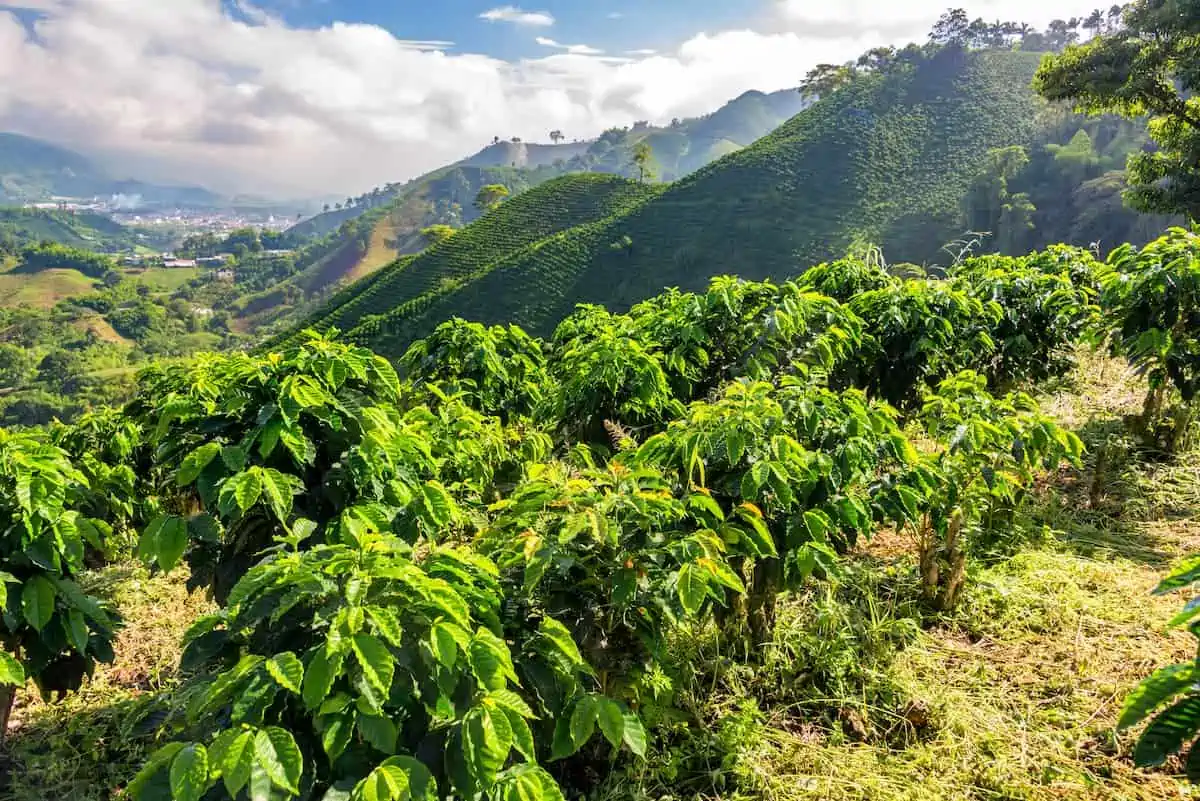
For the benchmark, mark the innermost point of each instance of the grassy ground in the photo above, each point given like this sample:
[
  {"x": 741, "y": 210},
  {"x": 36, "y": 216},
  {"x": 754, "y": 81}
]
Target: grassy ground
[
  {"x": 165, "y": 279},
  {"x": 43, "y": 289},
  {"x": 89, "y": 744},
  {"x": 861, "y": 695}
]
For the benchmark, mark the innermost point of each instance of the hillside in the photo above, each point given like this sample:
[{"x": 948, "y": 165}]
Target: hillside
[
  {"x": 685, "y": 146},
  {"x": 33, "y": 170},
  {"x": 87, "y": 230},
  {"x": 518, "y": 226},
  {"x": 888, "y": 159}
]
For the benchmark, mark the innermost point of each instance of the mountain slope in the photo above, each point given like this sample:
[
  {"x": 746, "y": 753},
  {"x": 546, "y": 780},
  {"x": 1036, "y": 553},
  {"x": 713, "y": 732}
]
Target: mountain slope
[
  {"x": 512, "y": 228},
  {"x": 895, "y": 158},
  {"x": 33, "y": 170},
  {"x": 19, "y": 227}
]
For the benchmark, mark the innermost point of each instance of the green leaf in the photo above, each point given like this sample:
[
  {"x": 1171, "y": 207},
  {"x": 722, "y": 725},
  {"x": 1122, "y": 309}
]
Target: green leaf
[
  {"x": 558, "y": 635},
  {"x": 171, "y": 542},
  {"x": 510, "y": 700},
  {"x": 634, "y": 734},
  {"x": 11, "y": 672},
  {"x": 1168, "y": 732},
  {"x": 612, "y": 720},
  {"x": 445, "y": 647},
  {"x": 37, "y": 602},
  {"x": 75, "y": 627},
  {"x": 438, "y": 504},
  {"x": 318, "y": 678},
  {"x": 376, "y": 662},
  {"x": 233, "y": 754},
  {"x": 234, "y": 458},
  {"x": 487, "y": 740},
  {"x": 1156, "y": 690},
  {"x": 189, "y": 773},
  {"x": 583, "y": 721},
  {"x": 195, "y": 462},
  {"x": 522, "y": 735},
  {"x": 490, "y": 660},
  {"x": 818, "y": 525},
  {"x": 276, "y": 752},
  {"x": 692, "y": 586},
  {"x": 336, "y": 734},
  {"x": 279, "y": 490},
  {"x": 287, "y": 670},
  {"x": 246, "y": 488},
  {"x": 387, "y": 625},
  {"x": 158, "y": 760},
  {"x": 379, "y": 732}
]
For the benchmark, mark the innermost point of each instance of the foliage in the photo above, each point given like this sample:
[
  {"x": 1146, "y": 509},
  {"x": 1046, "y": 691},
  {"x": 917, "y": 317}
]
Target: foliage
[
  {"x": 1049, "y": 302},
  {"x": 362, "y": 668},
  {"x": 965, "y": 498},
  {"x": 50, "y": 631},
  {"x": 1152, "y": 308},
  {"x": 47, "y": 255},
  {"x": 502, "y": 369},
  {"x": 1146, "y": 67},
  {"x": 920, "y": 332}
]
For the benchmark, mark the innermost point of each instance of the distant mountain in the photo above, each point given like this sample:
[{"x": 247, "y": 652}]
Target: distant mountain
[
  {"x": 908, "y": 157},
  {"x": 32, "y": 170},
  {"x": 679, "y": 149}
]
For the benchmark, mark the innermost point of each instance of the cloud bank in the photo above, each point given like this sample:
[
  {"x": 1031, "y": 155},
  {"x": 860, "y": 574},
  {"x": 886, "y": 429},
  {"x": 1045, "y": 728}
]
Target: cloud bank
[{"x": 239, "y": 101}]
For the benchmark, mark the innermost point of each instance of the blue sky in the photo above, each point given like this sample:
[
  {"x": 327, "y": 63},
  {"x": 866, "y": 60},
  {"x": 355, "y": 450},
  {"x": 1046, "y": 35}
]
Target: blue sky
[
  {"x": 308, "y": 97},
  {"x": 615, "y": 26}
]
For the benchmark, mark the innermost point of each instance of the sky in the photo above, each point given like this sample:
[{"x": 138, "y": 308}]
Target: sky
[{"x": 296, "y": 98}]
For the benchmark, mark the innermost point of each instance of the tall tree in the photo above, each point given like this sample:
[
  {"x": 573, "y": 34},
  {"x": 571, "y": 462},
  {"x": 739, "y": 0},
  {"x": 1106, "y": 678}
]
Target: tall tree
[
  {"x": 953, "y": 28},
  {"x": 642, "y": 160},
  {"x": 1148, "y": 67},
  {"x": 556, "y": 136}
]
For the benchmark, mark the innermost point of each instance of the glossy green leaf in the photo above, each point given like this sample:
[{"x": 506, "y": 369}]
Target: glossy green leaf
[
  {"x": 11, "y": 671},
  {"x": 611, "y": 718},
  {"x": 195, "y": 462},
  {"x": 376, "y": 662},
  {"x": 287, "y": 670},
  {"x": 189, "y": 773},
  {"x": 233, "y": 754},
  {"x": 37, "y": 602},
  {"x": 276, "y": 752}
]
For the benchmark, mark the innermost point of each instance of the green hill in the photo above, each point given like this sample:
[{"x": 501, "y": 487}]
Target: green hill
[
  {"x": 19, "y": 227},
  {"x": 513, "y": 228},
  {"x": 904, "y": 158}
]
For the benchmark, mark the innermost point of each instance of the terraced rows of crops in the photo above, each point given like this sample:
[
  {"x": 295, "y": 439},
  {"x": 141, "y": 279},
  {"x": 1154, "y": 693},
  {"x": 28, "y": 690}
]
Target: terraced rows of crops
[
  {"x": 887, "y": 159},
  {"x": 526, "y": 219}
]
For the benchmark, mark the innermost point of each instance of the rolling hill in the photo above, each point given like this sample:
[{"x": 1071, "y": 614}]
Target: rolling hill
[
  {"x": 895, "y": 158},
  {"x": 33, "y": 170},
  {"x": 19, "y": 227}
]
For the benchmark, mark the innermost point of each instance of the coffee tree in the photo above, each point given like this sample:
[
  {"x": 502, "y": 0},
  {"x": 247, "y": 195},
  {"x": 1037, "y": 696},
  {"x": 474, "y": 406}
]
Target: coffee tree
[{"x": 51, "y": 631}]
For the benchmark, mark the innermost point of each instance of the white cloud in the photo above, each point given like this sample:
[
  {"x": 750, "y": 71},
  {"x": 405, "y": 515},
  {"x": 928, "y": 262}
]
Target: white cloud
[
  {"x": 902, "y": 22},
  {"x": 577, "y": 49},
  {"x": 643, "y": 52},
  {"x": 537, "y": 19},
  {"x": 185, "y": 91}
]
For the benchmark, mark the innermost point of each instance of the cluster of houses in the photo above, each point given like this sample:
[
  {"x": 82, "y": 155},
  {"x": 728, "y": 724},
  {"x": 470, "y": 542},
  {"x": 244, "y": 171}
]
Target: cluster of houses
[{"x": 220, "y": 263}]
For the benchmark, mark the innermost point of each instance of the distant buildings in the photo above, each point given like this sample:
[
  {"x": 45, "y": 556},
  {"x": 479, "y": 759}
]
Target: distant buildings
[{"x": 179, "y": 263}]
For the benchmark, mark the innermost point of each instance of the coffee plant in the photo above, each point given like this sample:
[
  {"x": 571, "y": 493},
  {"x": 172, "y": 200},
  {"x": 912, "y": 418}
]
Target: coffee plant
[
  {"x": 51, "y": 631},
  {"x": 1152, "y": 308}
]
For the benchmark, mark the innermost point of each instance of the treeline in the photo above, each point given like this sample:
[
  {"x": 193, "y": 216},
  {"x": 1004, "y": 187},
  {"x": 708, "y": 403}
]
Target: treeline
[
  {"x": 955, "y": 29},
  {"x": 48, "y": 255},
  {"x": 239, "y": 243}
]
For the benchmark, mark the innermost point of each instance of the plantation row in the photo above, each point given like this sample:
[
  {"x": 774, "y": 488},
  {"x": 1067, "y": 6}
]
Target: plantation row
[
  {"x": 460, "y": 580},
  {"x": 517, "y": 224}
]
